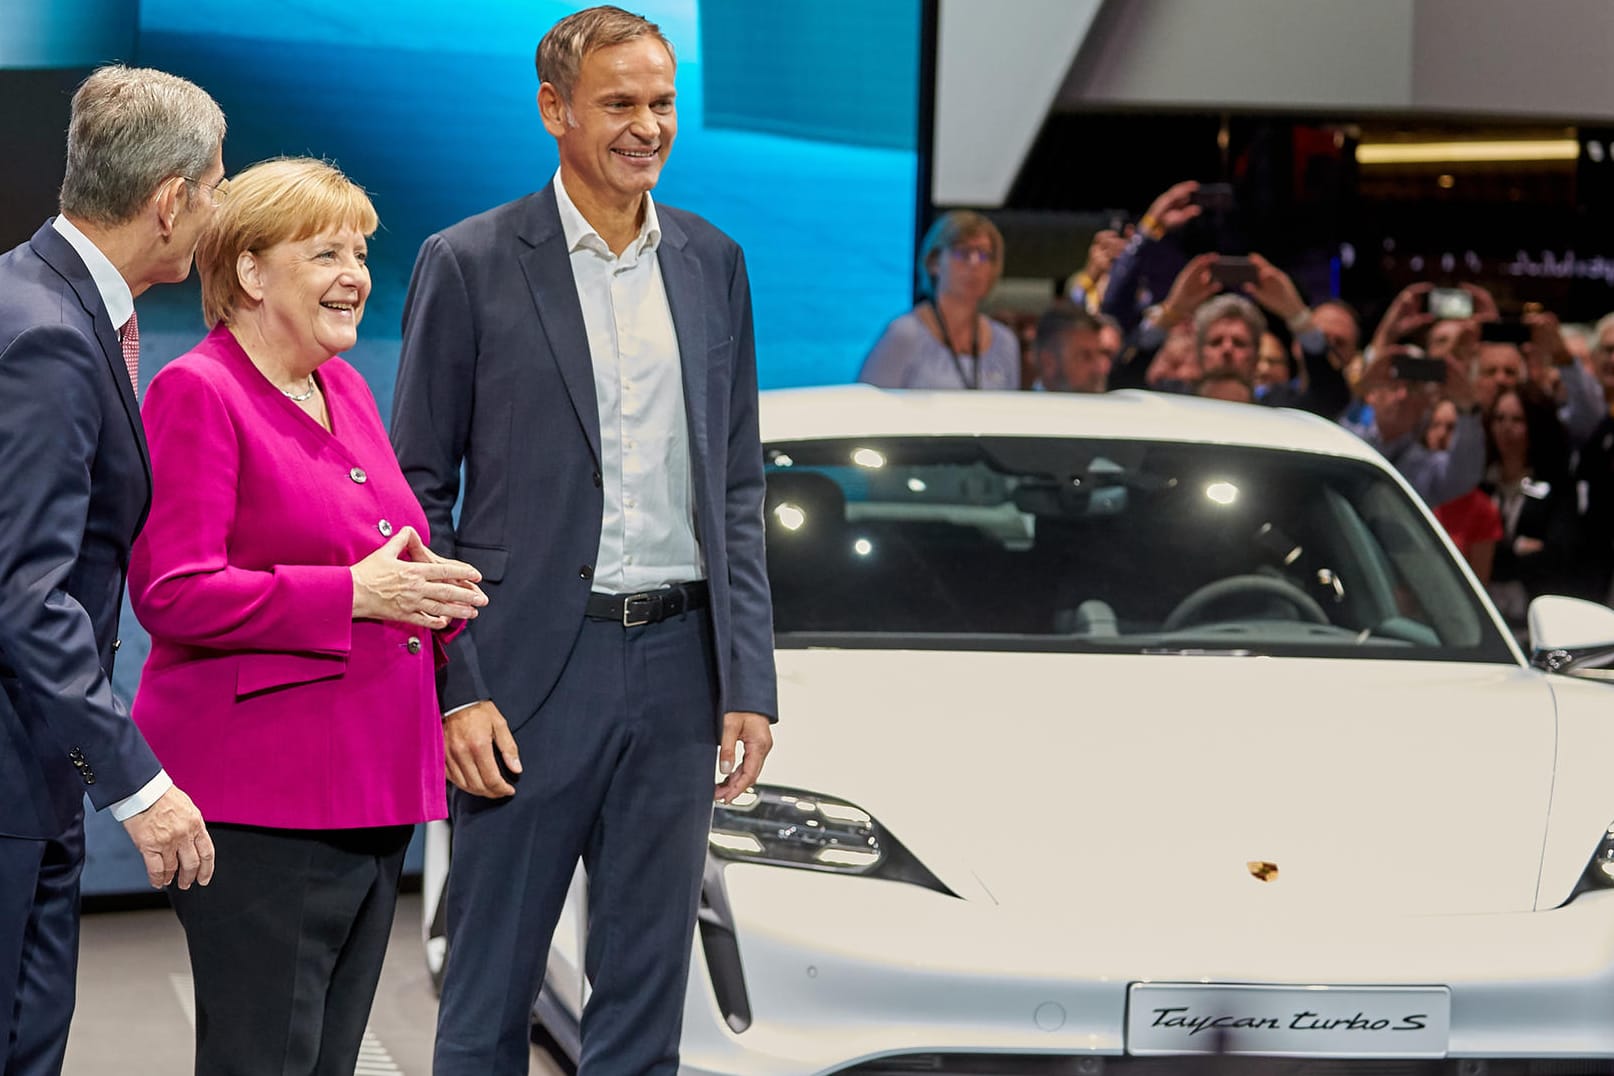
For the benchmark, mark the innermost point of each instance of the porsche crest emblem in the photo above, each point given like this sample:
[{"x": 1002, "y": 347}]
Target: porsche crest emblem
[{"x": 1263, "y": 871}]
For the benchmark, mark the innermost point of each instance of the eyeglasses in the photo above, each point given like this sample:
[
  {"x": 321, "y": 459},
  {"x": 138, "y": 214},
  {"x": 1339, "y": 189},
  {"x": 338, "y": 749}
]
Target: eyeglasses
[
  {"x": 216, "y": 192},
  {"x": 972, "y": 255}
]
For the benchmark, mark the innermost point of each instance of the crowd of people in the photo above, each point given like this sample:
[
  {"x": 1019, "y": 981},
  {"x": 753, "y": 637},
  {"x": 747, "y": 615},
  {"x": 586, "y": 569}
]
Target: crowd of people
[{"x": 1504, "y": 426}]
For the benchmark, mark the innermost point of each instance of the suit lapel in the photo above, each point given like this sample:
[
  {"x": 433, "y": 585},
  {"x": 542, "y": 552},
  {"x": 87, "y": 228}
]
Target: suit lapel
[
  {"x": 59, "y": 254},
  {"x": 683, "y": 280},
  {"x": 548, "y": 269}
]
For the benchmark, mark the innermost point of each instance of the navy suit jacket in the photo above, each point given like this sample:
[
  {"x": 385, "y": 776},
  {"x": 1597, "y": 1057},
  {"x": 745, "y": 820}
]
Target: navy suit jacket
[
  {"x": 496, "y": 376},
  {"x": 76, "y": 488}
]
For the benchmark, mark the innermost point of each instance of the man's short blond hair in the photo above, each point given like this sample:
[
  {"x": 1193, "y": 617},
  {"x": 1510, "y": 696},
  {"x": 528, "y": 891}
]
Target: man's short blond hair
[
  {"x": 275, "y": 201},
  {"x": 561, "y": 52}
]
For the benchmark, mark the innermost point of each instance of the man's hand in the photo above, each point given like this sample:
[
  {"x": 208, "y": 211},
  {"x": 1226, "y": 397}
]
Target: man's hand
[
  {"x": 172, "y": 839},
  {"x": 1397, "y": 408},
  {"x": 756, "y": 735},
  {"x": 1459, "y": 384},
  {"x": 1404, "y": 316},
  {"x": 1546, "y": 345},
  {"x": 1173, "y": 209},
  {"x": 1485, "y": 308},
  {"x": 405, "y": 581},
  {"x": 1274, "y": 290},
  {"x": 1106, "y": 246},
  {"x": 470, "y": 737},
  {"x": 1192, "y": 287}
]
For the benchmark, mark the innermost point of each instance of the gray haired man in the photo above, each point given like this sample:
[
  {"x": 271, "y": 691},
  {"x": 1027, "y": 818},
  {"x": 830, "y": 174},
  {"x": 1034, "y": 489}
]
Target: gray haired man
[{"x": 144, "y": 172}]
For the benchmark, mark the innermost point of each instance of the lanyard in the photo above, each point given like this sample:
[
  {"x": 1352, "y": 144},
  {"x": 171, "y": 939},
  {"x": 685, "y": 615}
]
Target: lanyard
[{"x": 952, "y": 352}]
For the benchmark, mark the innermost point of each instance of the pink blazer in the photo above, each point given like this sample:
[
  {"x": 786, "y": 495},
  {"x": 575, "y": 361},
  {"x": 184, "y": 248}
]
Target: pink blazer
[{"x": 262, "y": 697}]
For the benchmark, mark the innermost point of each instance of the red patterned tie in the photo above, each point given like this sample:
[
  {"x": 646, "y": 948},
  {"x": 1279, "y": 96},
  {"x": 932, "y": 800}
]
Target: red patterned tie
[{"x": 130, "y": 335}]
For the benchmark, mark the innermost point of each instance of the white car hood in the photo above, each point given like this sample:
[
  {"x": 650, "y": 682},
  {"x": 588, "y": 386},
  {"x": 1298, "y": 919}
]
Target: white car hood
[{"x": 1149, "y": 784}]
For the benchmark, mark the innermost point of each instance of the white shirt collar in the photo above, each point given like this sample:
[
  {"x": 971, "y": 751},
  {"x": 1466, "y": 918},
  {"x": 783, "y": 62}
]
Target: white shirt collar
[
  {"x": 580, "y": 234},
  {"x": 115, "y": 293}
]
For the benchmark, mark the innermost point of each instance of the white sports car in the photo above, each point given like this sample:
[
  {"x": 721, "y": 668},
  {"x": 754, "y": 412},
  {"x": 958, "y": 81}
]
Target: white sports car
[{"x": 1135, "y": 725}]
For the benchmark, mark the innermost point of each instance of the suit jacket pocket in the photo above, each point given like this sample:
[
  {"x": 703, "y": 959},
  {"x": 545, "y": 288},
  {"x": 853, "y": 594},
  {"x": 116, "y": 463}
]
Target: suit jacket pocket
[
  {"x": 487, "y": 559},
  {"x": 257, "y": 673}
]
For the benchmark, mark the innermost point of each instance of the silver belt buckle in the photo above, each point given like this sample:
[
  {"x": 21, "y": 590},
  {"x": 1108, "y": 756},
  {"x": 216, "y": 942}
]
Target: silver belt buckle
[{"x": 627, "y": 607}]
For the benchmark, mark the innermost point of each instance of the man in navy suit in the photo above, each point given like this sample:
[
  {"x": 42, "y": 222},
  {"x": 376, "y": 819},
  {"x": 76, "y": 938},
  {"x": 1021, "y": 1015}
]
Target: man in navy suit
[
  {"x": 586, "y": 356},
  {"x": 143, "y": 169}
]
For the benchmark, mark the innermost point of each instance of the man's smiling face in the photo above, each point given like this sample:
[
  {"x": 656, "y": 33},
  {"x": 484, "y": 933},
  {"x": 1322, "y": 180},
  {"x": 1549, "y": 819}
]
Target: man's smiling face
[{"x": 619, "y": 126}]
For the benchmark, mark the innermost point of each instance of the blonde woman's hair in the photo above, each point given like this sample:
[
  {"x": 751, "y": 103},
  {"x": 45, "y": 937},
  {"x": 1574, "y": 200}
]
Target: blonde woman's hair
[{"x": 275, "y": 201}]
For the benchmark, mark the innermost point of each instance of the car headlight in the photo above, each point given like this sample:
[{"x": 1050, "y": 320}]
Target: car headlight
[
  {"x": 787, "y": 827},
  {"x": 1599, "y": 873}
]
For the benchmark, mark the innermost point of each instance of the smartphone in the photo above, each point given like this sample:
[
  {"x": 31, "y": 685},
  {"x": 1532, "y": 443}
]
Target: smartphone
[
  {"x": 1413, "y": 368},
  {"x": 1450, "y": 303},
  {"x": 1234, "y": 271},
  {"x": 1116, "y": 220},
  {"x": 1504, "y": 332},
  {"x": 1216, "y": 197}
]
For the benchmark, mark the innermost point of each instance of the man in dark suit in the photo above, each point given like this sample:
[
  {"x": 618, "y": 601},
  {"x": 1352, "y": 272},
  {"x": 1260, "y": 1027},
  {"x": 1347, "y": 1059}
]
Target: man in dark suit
[
  {"x": 143, "y": 167},
  {"x": 587, "y": 356}
]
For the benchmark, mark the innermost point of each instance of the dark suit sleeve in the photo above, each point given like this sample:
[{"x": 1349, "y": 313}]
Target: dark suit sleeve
[
  {"x": 752, "y": 679},
  {"x": 1326, "y": 393},
  {"x": 1131, "y": 369},
  {"x": 50, "y": 427},
  {"x": 431, "y": 423}
]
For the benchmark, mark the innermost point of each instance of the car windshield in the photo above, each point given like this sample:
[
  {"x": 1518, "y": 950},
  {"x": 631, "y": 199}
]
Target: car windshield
[{"x": 1025, "y": 543}]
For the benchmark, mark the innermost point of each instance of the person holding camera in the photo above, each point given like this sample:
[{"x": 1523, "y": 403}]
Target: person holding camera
[
  {"x": 1397, "y": 383},
  {"x": 1228, "y": 328},
  {"x": 1464, "y": 321},
  {"x": 1175, "y": 207}
]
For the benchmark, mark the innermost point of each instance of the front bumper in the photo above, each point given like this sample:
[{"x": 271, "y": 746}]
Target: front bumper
[{"x": 840, "y": 973}]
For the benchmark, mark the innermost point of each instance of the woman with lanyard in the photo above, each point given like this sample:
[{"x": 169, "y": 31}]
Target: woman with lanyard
[{"x": 946, "y": 342}]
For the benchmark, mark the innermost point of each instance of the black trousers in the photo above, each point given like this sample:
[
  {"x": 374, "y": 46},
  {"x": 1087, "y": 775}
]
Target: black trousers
[
  {"x": 617, "y": 768},
  {"x": 286, "y": 946},
  {"x": 39, "y": 885}
]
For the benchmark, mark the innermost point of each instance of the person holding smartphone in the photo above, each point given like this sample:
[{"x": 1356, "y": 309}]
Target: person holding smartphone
[
  {"x": 1219, "y": 294},
  {"x": 1397, "y": 384}
]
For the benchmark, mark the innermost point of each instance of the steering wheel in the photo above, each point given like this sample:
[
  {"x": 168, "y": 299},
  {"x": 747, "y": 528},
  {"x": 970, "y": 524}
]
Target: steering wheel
[{"x": 1266, "y": 585}]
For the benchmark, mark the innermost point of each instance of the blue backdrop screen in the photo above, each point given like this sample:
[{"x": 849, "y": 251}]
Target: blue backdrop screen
[{"x": 797, "y": 127}]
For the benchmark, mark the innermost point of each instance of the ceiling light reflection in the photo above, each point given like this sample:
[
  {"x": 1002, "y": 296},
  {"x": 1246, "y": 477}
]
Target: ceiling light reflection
[
  {"x": 1223, "y": 493},
  {"x": 847, "y": 857},
  {"x": 868, "y": 457},
  {"x": 790, "y": 516},
  {"x": 735, "y": 842}
]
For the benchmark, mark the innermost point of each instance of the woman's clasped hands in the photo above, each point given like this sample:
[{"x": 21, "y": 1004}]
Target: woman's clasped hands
[{"x": 405, "y": 581}]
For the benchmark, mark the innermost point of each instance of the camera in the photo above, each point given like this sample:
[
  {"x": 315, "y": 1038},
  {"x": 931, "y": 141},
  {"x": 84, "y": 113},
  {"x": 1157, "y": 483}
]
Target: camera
[
  {"x": 1214, "y": 197},
  {"x": 1447, "y": 303},
  {"x": 1504, "y": 332},
  {"x": 1413, "y": 365},
  {"x": 1233, "y": 271}
]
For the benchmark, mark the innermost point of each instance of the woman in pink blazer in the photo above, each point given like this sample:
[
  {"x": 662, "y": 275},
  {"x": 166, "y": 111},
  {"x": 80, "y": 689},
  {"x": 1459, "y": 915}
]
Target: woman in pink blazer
[{"x": 296, "y": 619}]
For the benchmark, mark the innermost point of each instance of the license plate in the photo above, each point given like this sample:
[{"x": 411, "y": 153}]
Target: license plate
[{"x": 1310, "y": 1021}]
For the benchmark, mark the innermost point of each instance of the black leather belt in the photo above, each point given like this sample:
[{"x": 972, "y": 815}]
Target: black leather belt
[{"x": 648, "y": 606}]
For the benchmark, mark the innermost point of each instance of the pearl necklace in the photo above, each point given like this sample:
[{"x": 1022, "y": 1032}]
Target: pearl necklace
[{"x": 304, "y": 397}]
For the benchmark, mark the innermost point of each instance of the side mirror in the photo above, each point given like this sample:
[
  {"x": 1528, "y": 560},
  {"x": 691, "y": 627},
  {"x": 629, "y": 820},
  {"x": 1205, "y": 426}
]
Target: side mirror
[{"x": 1568, "y": 634}]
